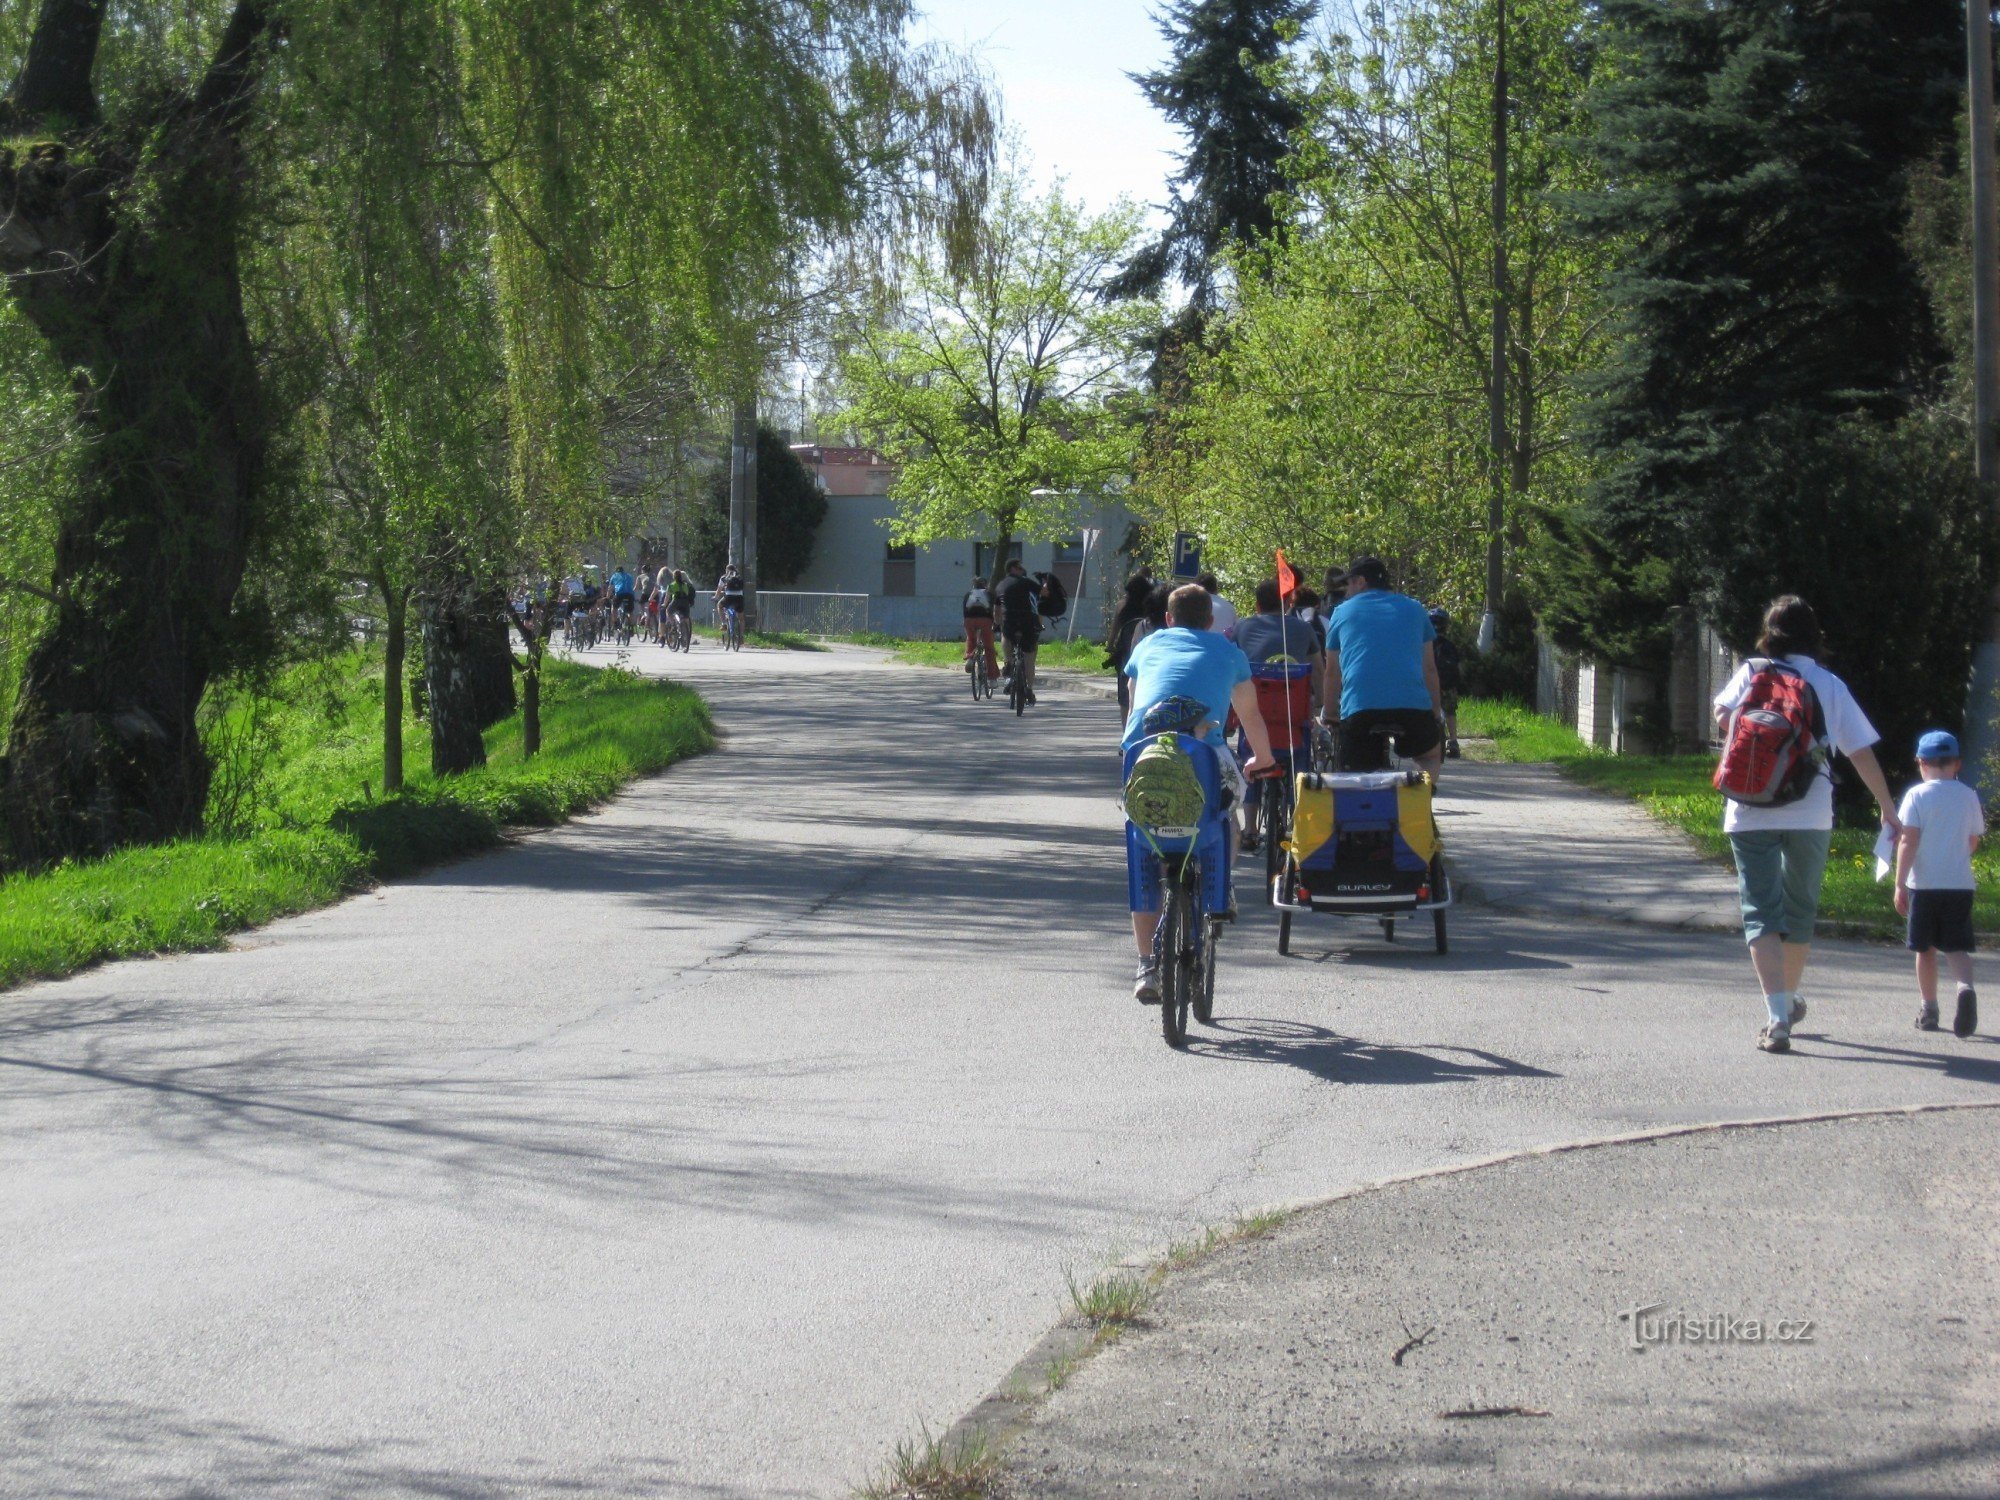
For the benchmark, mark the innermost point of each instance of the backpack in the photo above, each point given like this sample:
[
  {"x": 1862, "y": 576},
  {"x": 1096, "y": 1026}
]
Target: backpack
[
  {"x": 1776, "y": 744},
  {"x": 1054, "y": 600},
  {"x": 1163, "y": 793}
]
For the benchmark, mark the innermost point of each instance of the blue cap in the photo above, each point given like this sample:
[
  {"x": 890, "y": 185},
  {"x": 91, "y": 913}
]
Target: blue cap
[{"x": 1937, "y": 744}]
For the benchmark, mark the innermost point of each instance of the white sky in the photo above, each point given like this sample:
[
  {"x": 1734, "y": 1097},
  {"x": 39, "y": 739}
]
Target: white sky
[{"x": 1061, "y": 67}]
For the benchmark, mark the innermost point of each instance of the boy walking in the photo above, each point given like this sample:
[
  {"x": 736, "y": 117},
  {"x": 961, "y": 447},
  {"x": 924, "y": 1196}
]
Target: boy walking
[{"x": 1934, "y": 885}]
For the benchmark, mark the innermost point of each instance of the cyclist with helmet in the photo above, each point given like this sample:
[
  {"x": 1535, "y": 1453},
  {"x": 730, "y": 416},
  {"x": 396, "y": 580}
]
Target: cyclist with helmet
[
  {"x": 728, "y": 595},
  {"x": 1450, "y": 670},
  {"x": 624, "y": 596}
]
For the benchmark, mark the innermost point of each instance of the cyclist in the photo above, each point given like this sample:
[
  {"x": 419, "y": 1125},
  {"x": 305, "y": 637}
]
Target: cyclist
[
  {"x": 1450, "y": 669},
  {"x": 728, "y": 596},
  {"x": 680, "y": 601},
  {"x": 978, "y": 606},
  {"x": 1283, "y": 651},
  {"x": 1188, "y": 659},
  {"x": 1018, "y": 599},
  {"x": 624, "y": 596},
  {"x": 1381, "y": 671}
]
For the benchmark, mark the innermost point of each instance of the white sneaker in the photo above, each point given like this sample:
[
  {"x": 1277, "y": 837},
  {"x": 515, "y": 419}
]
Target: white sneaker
[{"x": 1146, "y": 987}]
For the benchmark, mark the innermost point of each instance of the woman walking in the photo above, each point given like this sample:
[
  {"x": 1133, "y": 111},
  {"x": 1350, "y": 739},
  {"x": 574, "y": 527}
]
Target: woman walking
[
  {"x": 1781, "y": 846},
  {"x": 1129, "y": 626}
]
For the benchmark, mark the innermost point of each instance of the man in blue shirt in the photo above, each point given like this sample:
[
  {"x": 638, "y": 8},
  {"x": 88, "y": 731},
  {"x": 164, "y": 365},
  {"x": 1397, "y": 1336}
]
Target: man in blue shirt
[
  {"x": 1381, "y": 669},
  {"x": 1185, "y": 660}
]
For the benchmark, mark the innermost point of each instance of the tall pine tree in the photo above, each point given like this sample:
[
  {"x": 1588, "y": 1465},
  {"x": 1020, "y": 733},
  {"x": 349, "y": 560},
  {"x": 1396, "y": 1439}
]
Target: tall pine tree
[
  {"x": 1772, "y": 418},
  {"x": 1758, "y": 154},
  {"x": 1238, "y": 129}
]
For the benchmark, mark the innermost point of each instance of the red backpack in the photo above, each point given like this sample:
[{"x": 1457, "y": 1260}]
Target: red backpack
[{"x": 1776, "y": 745}]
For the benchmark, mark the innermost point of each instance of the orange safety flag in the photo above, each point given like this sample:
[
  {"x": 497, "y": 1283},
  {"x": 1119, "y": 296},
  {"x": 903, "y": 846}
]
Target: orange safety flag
[{"x": 1288, "y": 580}]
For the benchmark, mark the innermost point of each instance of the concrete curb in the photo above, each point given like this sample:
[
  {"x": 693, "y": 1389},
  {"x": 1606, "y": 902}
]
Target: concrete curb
[{"x": 1008, "y": 1409}]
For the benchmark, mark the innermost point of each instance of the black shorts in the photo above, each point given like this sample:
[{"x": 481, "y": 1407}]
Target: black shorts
[
  {"x": 1025, "y": 633},
  {"x": 1941, "y": 920},
  {"x": 1416, "y": 730}
]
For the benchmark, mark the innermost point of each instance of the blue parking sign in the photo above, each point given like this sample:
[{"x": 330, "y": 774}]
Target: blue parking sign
[{"x": 1187, "y": 554}]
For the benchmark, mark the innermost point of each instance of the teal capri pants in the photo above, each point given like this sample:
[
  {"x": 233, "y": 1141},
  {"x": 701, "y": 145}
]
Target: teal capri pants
[{"x": 1777, "y": 879}]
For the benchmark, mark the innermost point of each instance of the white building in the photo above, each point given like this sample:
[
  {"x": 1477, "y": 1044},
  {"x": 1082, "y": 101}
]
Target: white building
[{"x": 918, "y": 591}]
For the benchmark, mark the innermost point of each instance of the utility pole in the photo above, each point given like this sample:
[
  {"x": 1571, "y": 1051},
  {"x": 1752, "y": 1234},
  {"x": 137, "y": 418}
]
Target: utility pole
[
  {"x": 743, "y": 500},
  {"x": 1984, "y": 700},
  {"x": 1496, "y": 393}
]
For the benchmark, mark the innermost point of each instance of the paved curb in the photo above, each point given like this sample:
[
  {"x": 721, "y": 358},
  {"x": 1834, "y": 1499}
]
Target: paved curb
[{"x": 1008, "y": 1409}]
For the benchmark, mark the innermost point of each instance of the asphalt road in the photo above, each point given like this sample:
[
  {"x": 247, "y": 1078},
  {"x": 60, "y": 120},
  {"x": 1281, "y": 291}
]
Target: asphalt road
[{"x": 706, "y": 1146}]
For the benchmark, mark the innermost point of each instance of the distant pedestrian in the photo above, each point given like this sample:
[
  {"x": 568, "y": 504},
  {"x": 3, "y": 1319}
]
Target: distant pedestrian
[
  {"x": 1221, "y": 608},
  {"x": 1132, "y": 624},
  {"x": 1942, "y": 823},
  {"x": 1780, "y": 841}
]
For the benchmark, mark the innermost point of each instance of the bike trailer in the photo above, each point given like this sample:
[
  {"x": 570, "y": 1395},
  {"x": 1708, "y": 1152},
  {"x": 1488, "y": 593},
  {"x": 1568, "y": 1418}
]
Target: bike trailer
[{"x": 1364, "y": 842}]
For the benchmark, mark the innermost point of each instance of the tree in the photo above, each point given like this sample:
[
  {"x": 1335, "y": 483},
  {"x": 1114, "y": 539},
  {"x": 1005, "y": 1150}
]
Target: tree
[
  {"x": 1215, "y": 89},
  {"x": 1756, "y": 159},
  {"x": 1009, "y": 388},
  {"x": 610, "y": 183},
  {"x": 790, "y": 507},
  {"x": 1343, "y": 404}
]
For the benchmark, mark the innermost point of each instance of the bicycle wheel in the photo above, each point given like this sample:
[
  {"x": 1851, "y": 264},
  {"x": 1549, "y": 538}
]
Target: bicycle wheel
[
  {"x": 1173, "y": 945},
  {"x": 1437, "y": 923},
  {"x": 1204, "y": 987},
  {"x": 1277, "y": 800},
  {"x": 977, "y": 677},
  {"x": 1017, "y": 691}
]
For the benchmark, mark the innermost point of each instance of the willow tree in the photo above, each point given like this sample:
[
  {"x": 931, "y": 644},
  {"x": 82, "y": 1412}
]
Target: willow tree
[{"x": 639, "y": 179}]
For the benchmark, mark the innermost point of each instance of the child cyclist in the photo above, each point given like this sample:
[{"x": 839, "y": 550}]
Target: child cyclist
[{"x": 1942, "y": 823}]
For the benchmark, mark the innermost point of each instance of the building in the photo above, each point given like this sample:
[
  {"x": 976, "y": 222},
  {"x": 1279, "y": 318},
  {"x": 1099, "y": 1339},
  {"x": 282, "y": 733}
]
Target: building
[{"x": 918, "y": 591}]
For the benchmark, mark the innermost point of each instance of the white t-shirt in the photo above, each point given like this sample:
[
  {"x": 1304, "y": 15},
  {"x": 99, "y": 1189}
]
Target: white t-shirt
[
  {"x": 1847, "y": 728},
  {"x": 1224, "y": 622},
  {"x": 1948, "y": 813}
]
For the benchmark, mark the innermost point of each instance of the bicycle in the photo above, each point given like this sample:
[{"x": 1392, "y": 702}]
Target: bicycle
[
  {"x": 680, "y": 631},
  {"x": 1016, "y": 677},
  {"x": 982, "y": 685},
  {"x": 732, "y": 628},
  {"x": 623, "y": 628}
]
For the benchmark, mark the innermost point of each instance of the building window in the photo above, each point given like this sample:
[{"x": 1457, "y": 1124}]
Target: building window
[
  {"x": 983, "y": 564},
  {"x": 899, "y": 571}
]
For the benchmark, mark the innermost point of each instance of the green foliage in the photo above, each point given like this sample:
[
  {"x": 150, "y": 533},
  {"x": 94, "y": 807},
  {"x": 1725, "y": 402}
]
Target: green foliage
[
  {"x": 1342, "y": 407},
  {"x": 1008, "y": 377},
  {"x": 790, "y": 507},
  {"x": 1217, "y": 92},
  {"x": 1756, "y": 157},
  {"x": 314, "y": 830}
]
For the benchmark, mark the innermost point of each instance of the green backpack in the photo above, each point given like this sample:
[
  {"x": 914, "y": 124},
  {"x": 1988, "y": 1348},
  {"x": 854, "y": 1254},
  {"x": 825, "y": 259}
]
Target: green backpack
[{"x": 1163, "y": 793}]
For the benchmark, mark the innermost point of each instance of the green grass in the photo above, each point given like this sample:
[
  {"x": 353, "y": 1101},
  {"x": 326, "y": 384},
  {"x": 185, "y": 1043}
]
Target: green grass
[
  {"x": 935, "y": 1468},
  {"x": 1677, "y": 790},
  {"x": 312, "y": 824},
  {"x": 1055, "y": 653}
]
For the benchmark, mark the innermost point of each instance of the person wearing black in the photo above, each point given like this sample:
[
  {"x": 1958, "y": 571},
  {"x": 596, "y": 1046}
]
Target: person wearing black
[
  {"x": 1448, "y": 663},
  {"x": 1128, "y": 627},
  {"x": 1016, "y": 601}
]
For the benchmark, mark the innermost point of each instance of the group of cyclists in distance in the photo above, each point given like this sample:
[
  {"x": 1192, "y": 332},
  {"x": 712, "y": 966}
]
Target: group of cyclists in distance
[{"x": 654, "y": 606}]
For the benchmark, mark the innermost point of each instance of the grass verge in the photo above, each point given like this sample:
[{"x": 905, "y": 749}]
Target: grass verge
[
  {"x": 310, "y": 827},
  {"x": 1677, "y": 790}
]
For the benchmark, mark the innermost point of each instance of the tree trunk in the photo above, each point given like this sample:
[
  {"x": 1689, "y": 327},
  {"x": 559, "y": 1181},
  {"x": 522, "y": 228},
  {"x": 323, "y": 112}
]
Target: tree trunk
[
  {"x": 531, "y": 704},
  {"x": 450, "y": 679},
  {"x": 396, "y": 606},
  {"x": 119, "y": 247},
  {"x": 490, "y": 661}
]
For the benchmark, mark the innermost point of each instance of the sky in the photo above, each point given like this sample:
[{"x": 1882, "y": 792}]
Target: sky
[{"x": 1061, "y": 67}]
